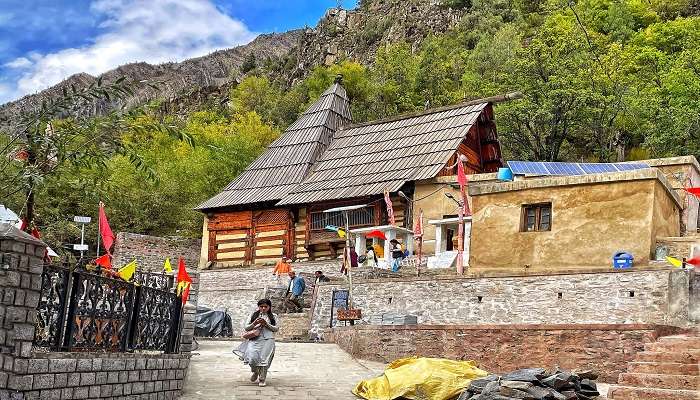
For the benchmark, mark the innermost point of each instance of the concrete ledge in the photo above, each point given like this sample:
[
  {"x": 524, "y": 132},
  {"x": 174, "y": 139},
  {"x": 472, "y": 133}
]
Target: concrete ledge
[
  {"x": 551, "y": 181},
  {"x": 518, "y": 327}
]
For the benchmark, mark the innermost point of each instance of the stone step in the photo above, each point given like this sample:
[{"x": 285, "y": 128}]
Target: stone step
[
  {"x": 673, "y": 346},
  {"x": 663, "y": 368},
  {"x": 672, "y": 357},
  {"x": 636, "y": 393},
  {"x": 686, "y": 382},
  {"x": 689, "y": 341}
]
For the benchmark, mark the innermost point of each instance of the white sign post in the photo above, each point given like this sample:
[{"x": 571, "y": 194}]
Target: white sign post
[{"x": 82, "y": 247}]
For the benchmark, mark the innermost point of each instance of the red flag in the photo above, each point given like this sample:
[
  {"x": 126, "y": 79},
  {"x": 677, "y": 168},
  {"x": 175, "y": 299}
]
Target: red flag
[
  {"x": 104, "y": 261},
  {"x": 462, "y": 180},
  {"x": 183, "y": 281},
  {"x": 389, "y": 208},
  {"x": 23, "y": 225},
  {"x": 418, "y": 228},
  {"x": 694, "y": 261},
  {"x": 105, "y": 230},
  {"x": 461, "y": 176},
  {"x": 695, "y": 191}
]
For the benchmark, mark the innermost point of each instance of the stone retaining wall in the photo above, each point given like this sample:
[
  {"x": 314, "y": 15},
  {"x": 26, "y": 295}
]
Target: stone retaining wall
[
  {"x": 237, "y": 290},
  {"x": 99, "y": 375},
  {"x": 658, "y": 296},
  {"x": 501, "y": 348},
  {"x": 150, "y": 251}
]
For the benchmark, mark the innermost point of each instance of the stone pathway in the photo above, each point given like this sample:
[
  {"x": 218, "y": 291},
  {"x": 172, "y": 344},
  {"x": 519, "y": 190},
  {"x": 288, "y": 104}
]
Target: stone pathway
[{"x": 299, "y": 371}]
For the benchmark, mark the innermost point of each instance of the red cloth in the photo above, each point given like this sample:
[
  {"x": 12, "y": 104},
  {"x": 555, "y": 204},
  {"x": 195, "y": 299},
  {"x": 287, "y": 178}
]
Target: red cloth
[
  {"x": 376, "y": 234},
  {"x": 418, "y": 229},
  {"x": 104, "y": 261},
  {"x": 694, "y": 191},
  {"x": 183, "y": 278},
  {"x": 105, "y": 230},
  {"x": 694, "y": 261},
  {"x": 462, "y": 180},
  {"x": 389, "y": 208}
]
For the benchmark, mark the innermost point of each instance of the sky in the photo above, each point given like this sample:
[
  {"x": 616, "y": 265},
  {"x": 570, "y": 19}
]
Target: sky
[{"x": 43, "y": 42}]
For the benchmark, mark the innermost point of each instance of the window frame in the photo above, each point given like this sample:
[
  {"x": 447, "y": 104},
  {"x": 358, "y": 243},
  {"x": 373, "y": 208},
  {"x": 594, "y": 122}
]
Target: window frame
[{"x": 538, "y": 208}]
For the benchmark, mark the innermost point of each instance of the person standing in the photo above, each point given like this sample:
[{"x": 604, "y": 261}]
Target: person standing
[
  {"x": 396, "y": 255},
  {"x": 259, "y": 351},
  {"x": 282, "y": 267},
  {"x": 371, "y": 260},
  {"x": 296, "y": 288}
]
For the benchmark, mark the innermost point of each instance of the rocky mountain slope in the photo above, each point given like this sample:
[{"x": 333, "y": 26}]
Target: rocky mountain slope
[{"x": 340, "y": 34}]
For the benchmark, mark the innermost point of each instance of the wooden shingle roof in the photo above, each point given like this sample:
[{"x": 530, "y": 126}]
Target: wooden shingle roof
[
  {"x": 368, "y": 158},
  {"x": 287, "y": 161}
]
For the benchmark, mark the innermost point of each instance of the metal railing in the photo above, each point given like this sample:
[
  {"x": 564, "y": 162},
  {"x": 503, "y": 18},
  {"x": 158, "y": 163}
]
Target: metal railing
[{"x": 88, "y": 310}]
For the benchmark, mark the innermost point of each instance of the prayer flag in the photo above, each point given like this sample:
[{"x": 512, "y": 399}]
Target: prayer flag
[
  {"x": 183, "y": 281},
  {"x": 104, "y": 261},
  {"x": 418, "y": 228},
  {"x": 105, "y": 230},
  {"x": 674, "y": 261},
  {"x": 389, "y": 208},
  {"x": 127, "y": 272},
  {"x": 694, "y": 261},
  {"x": 167, "y": 267}
]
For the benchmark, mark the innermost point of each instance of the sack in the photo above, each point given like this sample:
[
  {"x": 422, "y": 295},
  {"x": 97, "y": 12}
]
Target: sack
[{"x": 251, "y": 334}]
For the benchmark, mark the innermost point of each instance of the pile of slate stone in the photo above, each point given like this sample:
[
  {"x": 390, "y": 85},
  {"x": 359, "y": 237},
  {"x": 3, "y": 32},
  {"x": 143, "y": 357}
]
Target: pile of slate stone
[{"x": 534, "y": 384}]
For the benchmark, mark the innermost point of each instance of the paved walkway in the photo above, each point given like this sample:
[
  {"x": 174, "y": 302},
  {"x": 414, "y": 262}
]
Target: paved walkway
[{"x": 299, "y": 371}]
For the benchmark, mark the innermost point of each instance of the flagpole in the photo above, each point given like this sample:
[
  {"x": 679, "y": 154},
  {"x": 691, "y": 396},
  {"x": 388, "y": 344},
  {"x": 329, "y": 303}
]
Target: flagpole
[{"x": 99, "y": 233}]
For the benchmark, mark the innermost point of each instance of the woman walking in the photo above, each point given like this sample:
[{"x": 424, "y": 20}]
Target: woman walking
[{"x": 259, "y": 350}]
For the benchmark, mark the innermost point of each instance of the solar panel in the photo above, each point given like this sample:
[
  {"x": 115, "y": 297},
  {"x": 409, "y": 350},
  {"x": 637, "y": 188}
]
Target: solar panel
[
  {"x": 630, "y": 166},
  {"x": 527, "y": 168},
  {"x": 561, "y": 168},
  {"x": 568, "y": 169}
]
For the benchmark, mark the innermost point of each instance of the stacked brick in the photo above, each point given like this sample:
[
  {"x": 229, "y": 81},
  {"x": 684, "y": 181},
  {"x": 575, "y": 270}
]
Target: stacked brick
[
  {"x": 20, "y": 285},
  {"x": 109, "y": 376}
]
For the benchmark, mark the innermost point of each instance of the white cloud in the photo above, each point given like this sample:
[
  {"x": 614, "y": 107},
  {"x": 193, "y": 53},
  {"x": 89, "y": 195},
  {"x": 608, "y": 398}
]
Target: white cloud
[
  {"x": 21, "y": 62},
  {"x": 153, "y": 31}
]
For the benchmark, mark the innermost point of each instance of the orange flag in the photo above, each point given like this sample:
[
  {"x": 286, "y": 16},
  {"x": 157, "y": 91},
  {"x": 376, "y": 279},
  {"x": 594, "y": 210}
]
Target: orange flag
[
  {"x": 183, "y": 281},
  {"x": 104, "y": 261}
]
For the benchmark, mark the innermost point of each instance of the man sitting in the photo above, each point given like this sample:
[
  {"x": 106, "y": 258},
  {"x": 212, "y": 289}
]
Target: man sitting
[{"x": 295, "y": 290}]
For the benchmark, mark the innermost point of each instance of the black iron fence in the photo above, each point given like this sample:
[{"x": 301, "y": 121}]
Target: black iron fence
[{"x": 83, "y": 310}]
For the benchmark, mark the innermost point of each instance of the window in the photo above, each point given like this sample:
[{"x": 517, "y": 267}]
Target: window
[
  {"x": 536, "y": 217},
  {"x": 356, "y": 218}
]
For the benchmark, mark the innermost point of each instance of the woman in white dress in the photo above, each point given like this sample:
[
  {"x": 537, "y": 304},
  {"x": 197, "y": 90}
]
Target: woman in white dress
[{"x": 259, "y": 351}]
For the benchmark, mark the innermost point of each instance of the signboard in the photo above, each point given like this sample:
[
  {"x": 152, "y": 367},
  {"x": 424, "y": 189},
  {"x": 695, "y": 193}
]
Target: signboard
[
  {"x": 339, "y": 301},
  {"x": 445, "y": 259}
]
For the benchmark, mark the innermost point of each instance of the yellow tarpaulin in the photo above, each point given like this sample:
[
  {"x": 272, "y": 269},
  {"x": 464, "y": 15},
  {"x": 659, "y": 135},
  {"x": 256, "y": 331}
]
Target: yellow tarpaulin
[{"x": 420, "y": 378}]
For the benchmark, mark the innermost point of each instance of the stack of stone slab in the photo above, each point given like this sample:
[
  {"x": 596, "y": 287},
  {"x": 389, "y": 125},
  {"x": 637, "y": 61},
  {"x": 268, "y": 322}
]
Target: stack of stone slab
[
  {"x": 393, "y": 319},
  {"x": 534, "y": 384}
]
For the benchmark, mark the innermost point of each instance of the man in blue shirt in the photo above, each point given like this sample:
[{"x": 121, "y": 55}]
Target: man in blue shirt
[{"x": 295, "y": 290}]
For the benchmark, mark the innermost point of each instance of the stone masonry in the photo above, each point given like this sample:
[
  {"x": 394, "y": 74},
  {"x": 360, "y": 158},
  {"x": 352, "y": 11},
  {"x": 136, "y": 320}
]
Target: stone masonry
[
  {"x": 150, "y": 251},
  {"x": 656, "y": 296},
  {"x": 605, "y": 348},
  {"x": 237, "y": 290},
  {"x": 26, "y": 373}
]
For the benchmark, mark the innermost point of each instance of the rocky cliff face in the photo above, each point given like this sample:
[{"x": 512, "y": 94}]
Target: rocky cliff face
[
  {"x": 340, "y": 34},
  {"x": 357, "y": 34},
  {"x": 194, "y": 78}
]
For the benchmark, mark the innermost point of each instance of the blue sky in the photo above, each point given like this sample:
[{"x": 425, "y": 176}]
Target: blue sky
[{"x": 45, "y": 41}]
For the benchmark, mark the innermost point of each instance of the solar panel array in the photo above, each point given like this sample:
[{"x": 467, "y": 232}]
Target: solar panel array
[{"x": 563, "y": 168}]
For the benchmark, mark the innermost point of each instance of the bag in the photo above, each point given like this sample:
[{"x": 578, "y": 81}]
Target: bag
[
  {"x": 250, "y": 335},
  {"x": 362, "y": 259}
]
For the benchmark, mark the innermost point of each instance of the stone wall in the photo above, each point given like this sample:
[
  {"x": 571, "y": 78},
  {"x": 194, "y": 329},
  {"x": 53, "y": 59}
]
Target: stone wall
[
  {"x": 27, "y": 373},
  {"x": 95, "y": 375},
  {"x": 501, "y": 348},
  {"x": 150, "y": 251},
  {"x": 656, "y": 296},
  {"x": 237, "y": 290}
]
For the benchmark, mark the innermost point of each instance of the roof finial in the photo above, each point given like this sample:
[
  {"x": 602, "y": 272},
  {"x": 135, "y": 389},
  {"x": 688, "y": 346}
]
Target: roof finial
[{"x": 338, "y": 78}]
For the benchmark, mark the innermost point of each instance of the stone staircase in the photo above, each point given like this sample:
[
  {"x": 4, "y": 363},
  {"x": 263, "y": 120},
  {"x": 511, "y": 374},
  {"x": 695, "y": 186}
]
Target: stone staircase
[{"x": 667, "y": 369}]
